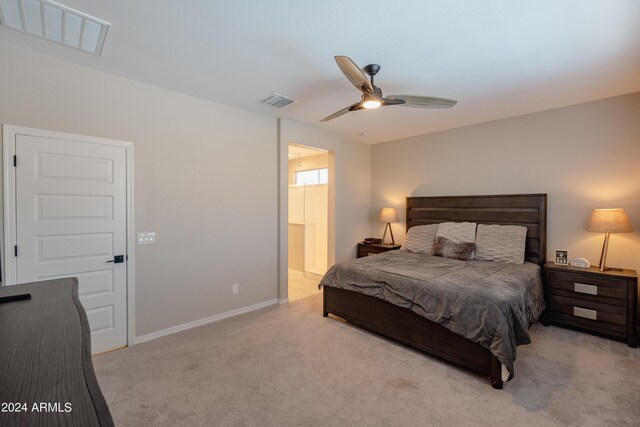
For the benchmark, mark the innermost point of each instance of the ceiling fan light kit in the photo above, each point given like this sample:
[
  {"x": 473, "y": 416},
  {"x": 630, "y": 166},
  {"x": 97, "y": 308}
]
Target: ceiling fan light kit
[
  {"x": 370, "y": 102},
  {"x": 372, "y": 94}
]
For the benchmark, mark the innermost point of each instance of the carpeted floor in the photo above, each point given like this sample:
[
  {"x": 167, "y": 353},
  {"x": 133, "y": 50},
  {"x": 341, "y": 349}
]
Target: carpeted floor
[{"x": 288, "y": 366}]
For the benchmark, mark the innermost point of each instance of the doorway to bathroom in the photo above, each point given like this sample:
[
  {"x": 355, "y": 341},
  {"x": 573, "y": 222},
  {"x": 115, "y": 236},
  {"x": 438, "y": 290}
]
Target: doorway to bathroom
[{"x": 308, "y": 218}]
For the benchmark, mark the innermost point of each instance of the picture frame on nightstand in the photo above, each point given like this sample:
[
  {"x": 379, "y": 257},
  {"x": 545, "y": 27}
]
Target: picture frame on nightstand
[{"x": 562, "y": 257}]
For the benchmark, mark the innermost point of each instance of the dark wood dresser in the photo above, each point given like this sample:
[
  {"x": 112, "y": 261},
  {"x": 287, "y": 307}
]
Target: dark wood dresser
[
  {"x": 46, "y": 373},
  {"x": 366, "y": 249},
  {"x": 603, "y": 303}
]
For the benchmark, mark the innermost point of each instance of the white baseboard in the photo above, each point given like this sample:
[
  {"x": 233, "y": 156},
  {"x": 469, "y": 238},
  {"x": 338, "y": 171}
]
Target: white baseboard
[
  {"x": 200, "y": 322},
  {"x": 283, "y": 301}
]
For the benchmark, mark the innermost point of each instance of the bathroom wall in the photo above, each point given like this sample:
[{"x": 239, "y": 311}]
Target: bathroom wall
[{"x": 308, "y": 218}]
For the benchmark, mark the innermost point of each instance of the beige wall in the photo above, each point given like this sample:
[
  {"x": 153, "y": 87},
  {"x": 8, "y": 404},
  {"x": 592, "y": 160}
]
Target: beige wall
[
  {"x": 307, "y": 163},
  {"x": 584, "y": 156},
  {"x": 196, "y": 165},
  {"x": 349, "y": 199},
  {"x": 201, "y": 171}
]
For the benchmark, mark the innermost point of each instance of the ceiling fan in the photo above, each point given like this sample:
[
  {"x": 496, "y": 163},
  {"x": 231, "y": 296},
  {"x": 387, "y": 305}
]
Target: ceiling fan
[{"x": 372, "y": 95}]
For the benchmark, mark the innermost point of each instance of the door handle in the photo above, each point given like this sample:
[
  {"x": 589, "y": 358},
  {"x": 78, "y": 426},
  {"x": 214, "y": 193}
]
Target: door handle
[{"x": 117, "y": 259}]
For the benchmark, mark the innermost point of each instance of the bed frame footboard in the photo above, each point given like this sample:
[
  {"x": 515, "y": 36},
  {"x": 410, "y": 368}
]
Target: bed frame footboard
[{"x": 407, "y": 327}]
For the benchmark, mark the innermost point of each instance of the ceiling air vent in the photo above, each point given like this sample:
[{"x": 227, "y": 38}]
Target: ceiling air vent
[
  {"x": 55, "y": 22},
  {"x": 276, "y": 100}
]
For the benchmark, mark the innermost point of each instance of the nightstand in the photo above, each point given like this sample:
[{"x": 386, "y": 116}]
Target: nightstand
[
  {"x": 603, "y": 303},
  {"x": 366, "y": 249}
]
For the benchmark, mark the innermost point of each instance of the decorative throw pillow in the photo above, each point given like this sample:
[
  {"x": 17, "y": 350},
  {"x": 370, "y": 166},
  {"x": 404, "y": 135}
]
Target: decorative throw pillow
[
  {"x": 458, "y": 232},
  {"x": 503, "y": 243},
  {"x": 420, "y": 239},
  {"x": 455, "y": 250}
]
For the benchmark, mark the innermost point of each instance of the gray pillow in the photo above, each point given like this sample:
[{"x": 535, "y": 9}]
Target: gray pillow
[
  {"x": 454, "y": 250},
  {"x": 420, "y": 239},
  {"x": 502, "y": 243}
]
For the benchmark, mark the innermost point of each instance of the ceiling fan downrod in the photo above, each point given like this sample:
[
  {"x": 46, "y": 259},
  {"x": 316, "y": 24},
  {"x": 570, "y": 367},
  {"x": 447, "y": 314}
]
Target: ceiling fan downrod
[{"x": 372, "y": 70}]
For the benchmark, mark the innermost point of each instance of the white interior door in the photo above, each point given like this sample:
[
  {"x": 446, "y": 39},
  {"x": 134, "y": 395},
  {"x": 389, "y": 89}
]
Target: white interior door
[{"x": 71, "y": 221}]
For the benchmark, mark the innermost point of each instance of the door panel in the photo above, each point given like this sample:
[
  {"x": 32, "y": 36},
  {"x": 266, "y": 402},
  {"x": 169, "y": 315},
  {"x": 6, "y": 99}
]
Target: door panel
[
  {"x": 71, "y": 220},
  {"x": 72, "y": 247},
  {"x": 73, "y": 167},
  {"x": 101, "y": 319},
  {"x": 55, "y": 206},
  {"x": 94, "y": 283}
]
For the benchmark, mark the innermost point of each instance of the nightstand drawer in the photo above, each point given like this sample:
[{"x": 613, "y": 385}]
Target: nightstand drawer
[
  {"x": 366, "y": 249},
  {"x": 577, "y": 296},
  {"x": 589, "y": 309},
  {"x": 568, "y": 319},
  {"x": 588, "y": 285},
  {"x": 373, "y": 250}
]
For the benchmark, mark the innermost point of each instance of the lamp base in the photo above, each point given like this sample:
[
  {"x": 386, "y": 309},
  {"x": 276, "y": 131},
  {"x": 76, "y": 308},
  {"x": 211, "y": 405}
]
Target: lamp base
[
  {"x": 603, "y": 255},
  {"x": 388, "y": 226}
]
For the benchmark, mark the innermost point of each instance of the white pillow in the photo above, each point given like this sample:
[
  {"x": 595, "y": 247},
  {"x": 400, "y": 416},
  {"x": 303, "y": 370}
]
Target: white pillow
[
  {"x": 420, "y": 239},
  {"x": 458, "y": 231},
  {"x": 503, "y": 243}
]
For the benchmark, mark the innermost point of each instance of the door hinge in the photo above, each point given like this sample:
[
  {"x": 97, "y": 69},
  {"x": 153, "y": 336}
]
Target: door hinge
[
  {"x": 15, "y": 250},
  {"x": 15, "y": 161}
]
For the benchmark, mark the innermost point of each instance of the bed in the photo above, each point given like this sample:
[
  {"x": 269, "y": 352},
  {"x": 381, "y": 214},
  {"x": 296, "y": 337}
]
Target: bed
[{"x": 409, "y": 325}]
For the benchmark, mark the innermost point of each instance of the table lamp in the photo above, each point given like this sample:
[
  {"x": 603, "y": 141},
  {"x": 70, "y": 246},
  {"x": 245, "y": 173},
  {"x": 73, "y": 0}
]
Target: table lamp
[
  {"x": 388, "y": 215},
  {"x": 608, "y": 221}
]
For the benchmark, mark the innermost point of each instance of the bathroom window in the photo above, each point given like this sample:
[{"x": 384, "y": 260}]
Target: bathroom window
[{"x": 312, "y": 177}]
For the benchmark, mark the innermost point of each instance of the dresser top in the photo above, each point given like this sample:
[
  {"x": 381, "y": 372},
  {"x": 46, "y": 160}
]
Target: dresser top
[{"x": 45, "y": 357}]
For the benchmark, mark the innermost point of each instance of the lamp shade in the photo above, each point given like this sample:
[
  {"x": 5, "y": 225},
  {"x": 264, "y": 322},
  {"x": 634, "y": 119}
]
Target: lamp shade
[
  {"x": 609, "y": 221},
  {"x": 389, "y": 215}
]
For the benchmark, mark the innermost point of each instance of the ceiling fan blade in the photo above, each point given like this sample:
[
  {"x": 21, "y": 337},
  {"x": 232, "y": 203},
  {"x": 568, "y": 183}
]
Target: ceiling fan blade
[
  {"x": 423, "y": 101},
  {"x": 389, "y": 101},
  {"x": 345, "y": 110},
  {"x": 354, "y": 74}
]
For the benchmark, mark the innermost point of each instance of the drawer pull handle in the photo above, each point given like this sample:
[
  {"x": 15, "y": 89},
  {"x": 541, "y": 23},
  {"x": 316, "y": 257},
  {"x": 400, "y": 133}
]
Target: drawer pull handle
[
  {"x": 585, "y": 289},
  {"x": 583, "y": 312}
]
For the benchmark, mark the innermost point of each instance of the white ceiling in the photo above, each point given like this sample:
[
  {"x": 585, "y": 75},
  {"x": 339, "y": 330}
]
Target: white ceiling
[{"x": 498, "y": 58}]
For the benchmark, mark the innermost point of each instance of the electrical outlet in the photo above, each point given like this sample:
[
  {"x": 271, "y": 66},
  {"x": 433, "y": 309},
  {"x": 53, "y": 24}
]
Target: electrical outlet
[{"x": 235, "y": 288}]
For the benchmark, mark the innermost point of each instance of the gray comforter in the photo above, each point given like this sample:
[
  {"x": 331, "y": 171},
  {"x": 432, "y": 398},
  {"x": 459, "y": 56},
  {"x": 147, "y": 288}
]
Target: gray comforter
[{"x": 490, "y": 303}]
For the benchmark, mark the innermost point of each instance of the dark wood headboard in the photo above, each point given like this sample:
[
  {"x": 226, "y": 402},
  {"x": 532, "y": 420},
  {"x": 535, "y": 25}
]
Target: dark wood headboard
[{"x": 529, "y": 210}]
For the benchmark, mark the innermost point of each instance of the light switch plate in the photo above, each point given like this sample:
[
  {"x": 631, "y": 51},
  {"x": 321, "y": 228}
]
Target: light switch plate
[{"x": 146, "y": 238}]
